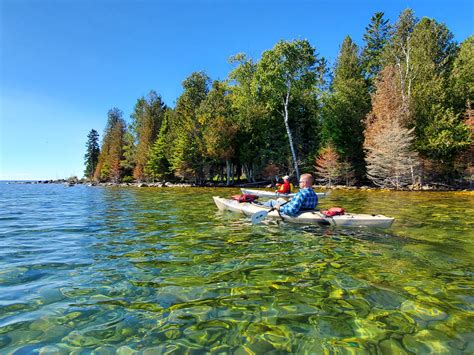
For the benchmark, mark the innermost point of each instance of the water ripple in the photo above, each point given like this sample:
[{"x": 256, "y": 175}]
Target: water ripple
[{"x": 161, "y": 270}]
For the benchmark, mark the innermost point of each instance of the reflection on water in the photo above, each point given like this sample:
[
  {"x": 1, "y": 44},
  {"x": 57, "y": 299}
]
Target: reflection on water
[{"x": 113, "y": 269}]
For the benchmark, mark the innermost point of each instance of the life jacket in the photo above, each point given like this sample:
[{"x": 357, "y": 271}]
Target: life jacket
[
  {"x": 284, "y": 188},
  {"x": 333, "y": 211},
  {"x": 245, "y": 197}
]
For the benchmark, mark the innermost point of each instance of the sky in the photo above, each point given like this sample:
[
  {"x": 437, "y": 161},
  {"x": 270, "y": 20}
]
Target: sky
[{"x": 65, "y": 63}]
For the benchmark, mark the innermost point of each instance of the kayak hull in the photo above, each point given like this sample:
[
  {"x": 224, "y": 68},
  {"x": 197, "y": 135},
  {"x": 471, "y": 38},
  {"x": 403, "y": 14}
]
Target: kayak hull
[
  {"x": 264, "y": 193},
  {"x": 308, "y": 217}
]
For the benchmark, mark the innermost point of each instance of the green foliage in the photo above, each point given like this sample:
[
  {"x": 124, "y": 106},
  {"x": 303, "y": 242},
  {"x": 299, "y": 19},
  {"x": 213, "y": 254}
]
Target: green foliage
[
  {"x": 147, "y": 118},
  {"x": 111, "y": 154},
  {"x": 375, "y": 38},
  {"x": 129, "y": 154},
  {"x": 158, "y": 165},
  {"x": 237, "y": 124},
  {"x": 104, "y": 172},
  {"x": 288, "y": 70},
  {"x": 251, "y": 115},
  {"x": 92, "y": 153},
  {"x": 127, "y": 179},
  {"x": 446, "y": 135},
  {"x": 462, "y": 75},
  {"x": 346, "y": 107},
  {"x": 188, "y": 154},
  {"x": 219, "y": 128}
]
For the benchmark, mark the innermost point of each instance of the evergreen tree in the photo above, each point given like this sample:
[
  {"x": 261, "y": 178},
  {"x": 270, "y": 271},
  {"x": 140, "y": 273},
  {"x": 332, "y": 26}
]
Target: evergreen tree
[
  {"x": 462, "y": 76},
  {"x": 375, "y": 38},
  {"x": 158, "y": 166},
  {"x": 447, "y": 135},
  {"x": 92, "y": 153},
  {"x": 219, "y": 128},
  {"x": 346, "y": 107},
  {"x": 252, "y": 117},
  {"x": 462, "y": 84},
  {"x": 440, "y": 131},
  {"x": 129, "y": 154},
  {"x": 111, "y": 153},
  {"x": 188, "y": 154},
  {"x": 147, "y": 118}
]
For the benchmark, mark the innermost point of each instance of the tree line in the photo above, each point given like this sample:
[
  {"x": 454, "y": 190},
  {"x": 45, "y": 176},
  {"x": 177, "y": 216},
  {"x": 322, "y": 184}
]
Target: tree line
[{"x": 397, "y": 111}]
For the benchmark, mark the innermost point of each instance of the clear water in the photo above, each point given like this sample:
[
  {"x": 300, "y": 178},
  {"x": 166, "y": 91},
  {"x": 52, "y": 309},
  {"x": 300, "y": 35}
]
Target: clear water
[{"x": 162, "y": 270}]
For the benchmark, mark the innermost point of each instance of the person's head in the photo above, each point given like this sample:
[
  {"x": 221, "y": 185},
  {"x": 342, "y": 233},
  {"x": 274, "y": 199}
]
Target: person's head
[
  {"x": 306, "y": 180},
  {"x": 286, "y": 178}
]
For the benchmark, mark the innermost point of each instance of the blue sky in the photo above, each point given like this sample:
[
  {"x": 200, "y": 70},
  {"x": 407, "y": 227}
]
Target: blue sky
[{"x": 65, "y": 63}]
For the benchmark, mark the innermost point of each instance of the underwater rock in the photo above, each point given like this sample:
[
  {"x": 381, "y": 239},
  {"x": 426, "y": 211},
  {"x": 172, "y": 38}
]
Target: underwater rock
[
  {"x": 105, "y": 350},
  {"x": 391, "y": 346},
  {"x": 126, "y": 350},
  {"x": 427, "y": 341},
  {"x": 50, "y": 350},
  {"x": 422, "y": 312}
]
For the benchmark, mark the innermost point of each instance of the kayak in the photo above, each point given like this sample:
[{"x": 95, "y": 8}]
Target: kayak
[
  {"x": 264, "y": 193},
  {"x": 306, "y": 217}
]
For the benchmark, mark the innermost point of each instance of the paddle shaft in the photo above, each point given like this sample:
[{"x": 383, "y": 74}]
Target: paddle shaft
[{"x": 260, "y": 215}]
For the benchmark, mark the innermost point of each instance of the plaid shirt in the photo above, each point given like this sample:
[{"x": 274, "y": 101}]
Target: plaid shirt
[{"x": 305, "y": 199}]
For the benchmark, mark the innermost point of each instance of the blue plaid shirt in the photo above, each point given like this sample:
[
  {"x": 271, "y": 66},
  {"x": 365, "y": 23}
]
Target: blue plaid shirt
[{"x": 305, "y": 199}]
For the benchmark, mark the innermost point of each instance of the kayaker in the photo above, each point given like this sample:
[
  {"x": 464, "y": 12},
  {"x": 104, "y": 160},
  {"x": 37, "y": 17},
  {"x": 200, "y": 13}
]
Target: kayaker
[
  {"x": 284, "y": 188},
  {"x": 305, "y": 199}
]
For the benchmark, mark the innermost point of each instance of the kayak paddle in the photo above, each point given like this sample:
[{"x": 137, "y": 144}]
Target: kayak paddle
[{"x": 259, "y": 216}]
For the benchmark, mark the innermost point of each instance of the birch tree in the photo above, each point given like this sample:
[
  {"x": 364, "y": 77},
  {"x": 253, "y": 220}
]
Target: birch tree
[{"x": 289, "y": 68}]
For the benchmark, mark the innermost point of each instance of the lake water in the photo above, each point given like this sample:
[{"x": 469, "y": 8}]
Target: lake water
[{"x": 154, "y": 270}]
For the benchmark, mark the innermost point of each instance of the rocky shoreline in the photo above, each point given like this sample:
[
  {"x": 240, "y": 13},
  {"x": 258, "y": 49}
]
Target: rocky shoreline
[{"x": 261, "y": 184}]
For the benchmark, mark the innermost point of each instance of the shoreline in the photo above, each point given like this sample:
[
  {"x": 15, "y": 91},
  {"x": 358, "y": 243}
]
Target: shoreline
[{"x": 435, "y": 187}]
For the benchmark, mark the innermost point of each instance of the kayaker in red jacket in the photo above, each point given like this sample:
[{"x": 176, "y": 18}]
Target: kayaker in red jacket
[{"x": 284, "y": 188}]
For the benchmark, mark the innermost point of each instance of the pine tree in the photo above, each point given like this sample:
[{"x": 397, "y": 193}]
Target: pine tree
[
  {"x": 375, "y": 38},
  {"x": 251, "y": 116},
  {"x": 147, "y": 118},
  {"x": 158, "y": 166},
  {"x": 219, "y": 128},
  {"x": 129, "y": 153},
  {"x": 92, "y": 153},
  {"x": 188, "y": 159},
  {"x": 111, "y": 153},
  {"x": 462, "y": 83},
  {"x": 462, "y": 76},
  {"x": 346, "y": 107}
]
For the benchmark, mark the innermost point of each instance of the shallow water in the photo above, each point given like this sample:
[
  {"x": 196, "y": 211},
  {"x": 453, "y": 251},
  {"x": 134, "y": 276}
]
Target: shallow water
[{"x": 155, "y": 270}]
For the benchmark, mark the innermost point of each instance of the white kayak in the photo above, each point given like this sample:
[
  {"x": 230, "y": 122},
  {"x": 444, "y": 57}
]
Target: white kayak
[
  {"x": 307, "y": 217},
  {"x": 264, "y": 193}
]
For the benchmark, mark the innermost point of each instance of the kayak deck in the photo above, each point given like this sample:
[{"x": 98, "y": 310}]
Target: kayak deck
[{"x": 307, "y": 217}]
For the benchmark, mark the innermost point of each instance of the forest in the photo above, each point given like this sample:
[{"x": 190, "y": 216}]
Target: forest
[{"x": 396, "y": 112}]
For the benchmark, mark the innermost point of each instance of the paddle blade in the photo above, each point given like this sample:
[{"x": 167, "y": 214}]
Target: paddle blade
[{"x": 259, "y": 216}]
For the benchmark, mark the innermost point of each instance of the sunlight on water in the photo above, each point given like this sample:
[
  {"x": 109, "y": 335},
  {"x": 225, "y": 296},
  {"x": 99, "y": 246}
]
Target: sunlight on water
[{"x": 125, "y": 269}]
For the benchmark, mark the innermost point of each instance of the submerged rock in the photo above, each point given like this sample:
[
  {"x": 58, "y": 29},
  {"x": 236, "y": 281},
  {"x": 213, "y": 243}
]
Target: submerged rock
[{"x": 422, "y": 312}]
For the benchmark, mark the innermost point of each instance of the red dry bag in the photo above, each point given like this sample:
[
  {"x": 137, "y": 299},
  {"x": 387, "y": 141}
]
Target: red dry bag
[
  {"x": 245, "y": 198},
  {"x": 333, "y": 211}
]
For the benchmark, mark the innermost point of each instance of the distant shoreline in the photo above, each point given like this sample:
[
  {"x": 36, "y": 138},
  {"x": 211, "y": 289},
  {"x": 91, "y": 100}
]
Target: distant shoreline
[{"x": 261, "y": 185}]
